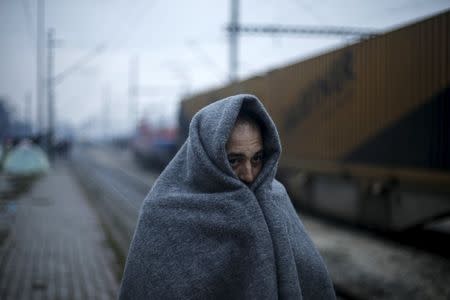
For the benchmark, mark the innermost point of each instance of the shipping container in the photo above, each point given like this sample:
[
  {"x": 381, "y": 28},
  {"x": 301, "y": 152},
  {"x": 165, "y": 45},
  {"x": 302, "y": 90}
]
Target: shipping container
[{"x": 365, "y": 129}]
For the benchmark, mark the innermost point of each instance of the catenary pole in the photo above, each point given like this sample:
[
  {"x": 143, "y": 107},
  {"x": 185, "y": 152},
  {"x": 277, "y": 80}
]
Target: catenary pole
[
  {"x": 40, "y": 39},
  {"x": 233, "y": 40},
  {"x": 50, "y": 92},
  {"x": 133, "y": 90}
]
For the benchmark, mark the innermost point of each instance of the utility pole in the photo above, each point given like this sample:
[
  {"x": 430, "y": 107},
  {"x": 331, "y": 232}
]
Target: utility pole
[
  {"x": 50, "y": 92},
  {"x": 106, "y": 110},
  {"x": 27, "y": 118},
  {"x": 233, "y": 40},
  {"x": 40, "y": 40},
  {"x": 133, "y": 90}
]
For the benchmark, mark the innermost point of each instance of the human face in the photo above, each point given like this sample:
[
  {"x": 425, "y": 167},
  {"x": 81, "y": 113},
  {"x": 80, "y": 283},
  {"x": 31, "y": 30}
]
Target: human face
[{"x": 245, "y": 151}]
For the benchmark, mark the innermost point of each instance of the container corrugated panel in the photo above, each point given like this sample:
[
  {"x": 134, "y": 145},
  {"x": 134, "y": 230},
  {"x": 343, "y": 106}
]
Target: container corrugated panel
[
  {"x": 416, "y": 96},
  {"x": 330, "y": 108}
]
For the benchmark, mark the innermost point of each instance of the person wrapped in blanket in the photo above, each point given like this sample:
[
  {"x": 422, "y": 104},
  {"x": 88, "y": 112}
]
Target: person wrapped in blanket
[{"x": 217, "y": 224}]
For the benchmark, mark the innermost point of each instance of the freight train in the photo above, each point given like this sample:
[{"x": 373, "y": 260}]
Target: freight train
[{"x": 365, "y": 129}]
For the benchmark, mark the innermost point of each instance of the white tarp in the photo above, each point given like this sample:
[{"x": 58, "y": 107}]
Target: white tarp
[{"x": 26, "y": 159}]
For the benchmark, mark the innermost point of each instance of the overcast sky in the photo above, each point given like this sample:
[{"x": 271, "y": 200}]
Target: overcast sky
[{"x": 181, "y": 47}]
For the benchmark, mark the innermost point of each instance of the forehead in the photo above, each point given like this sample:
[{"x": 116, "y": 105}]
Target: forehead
[{"x": 245, "y": 137}]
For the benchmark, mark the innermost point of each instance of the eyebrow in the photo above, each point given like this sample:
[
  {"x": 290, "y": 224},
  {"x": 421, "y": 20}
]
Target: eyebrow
[{"x": 234, "y": 154}]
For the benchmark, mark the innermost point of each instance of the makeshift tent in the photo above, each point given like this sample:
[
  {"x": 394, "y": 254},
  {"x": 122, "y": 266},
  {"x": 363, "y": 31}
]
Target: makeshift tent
[{"x": 26, "y": 160}]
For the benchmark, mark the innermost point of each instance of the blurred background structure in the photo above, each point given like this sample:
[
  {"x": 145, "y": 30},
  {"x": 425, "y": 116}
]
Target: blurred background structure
[
  {"x": 152, "y": 53},
  {"x": 359, "y": 91}
]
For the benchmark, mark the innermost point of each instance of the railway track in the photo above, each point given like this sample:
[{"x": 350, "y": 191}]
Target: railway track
[
  {"x": 433, "y": 239},
  {"x": 363, "y": 264},
  {"x": 116, "y": 195}
]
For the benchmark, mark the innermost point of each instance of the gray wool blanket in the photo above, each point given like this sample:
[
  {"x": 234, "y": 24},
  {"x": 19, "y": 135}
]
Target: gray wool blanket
[{"x": 204, "y": 234}]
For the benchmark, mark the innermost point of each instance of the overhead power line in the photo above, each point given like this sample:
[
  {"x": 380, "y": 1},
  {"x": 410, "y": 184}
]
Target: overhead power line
[
  {"x": 78, "y": 64},
  {"x": 99, "y": 49},
  {"x": 308, "y": 9},
  {"x": 205, "y": 58},
  {"x": 123, "y": 33}
]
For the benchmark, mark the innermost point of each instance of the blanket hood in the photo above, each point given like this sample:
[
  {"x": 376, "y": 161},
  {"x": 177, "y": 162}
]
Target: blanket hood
[{"x": 209, "y": 131}]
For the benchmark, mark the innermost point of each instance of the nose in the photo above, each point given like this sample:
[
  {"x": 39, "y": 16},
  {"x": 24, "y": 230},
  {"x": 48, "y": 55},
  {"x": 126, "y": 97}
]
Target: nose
[{"x": 246, "y": 174}]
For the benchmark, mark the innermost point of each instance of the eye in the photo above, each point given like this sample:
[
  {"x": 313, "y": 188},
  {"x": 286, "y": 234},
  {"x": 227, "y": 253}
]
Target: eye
[
  {"x": 259, "y": 157},
  {"x": 233, "y": 161}
]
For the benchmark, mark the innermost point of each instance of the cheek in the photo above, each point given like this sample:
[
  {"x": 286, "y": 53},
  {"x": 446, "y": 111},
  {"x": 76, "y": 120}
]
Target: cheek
[
  {"x": 236, "y": 169},
  {"x": 257, "y": 169}
]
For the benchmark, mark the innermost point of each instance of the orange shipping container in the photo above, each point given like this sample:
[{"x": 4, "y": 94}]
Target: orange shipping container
[{"x": 376, "y": 111}]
